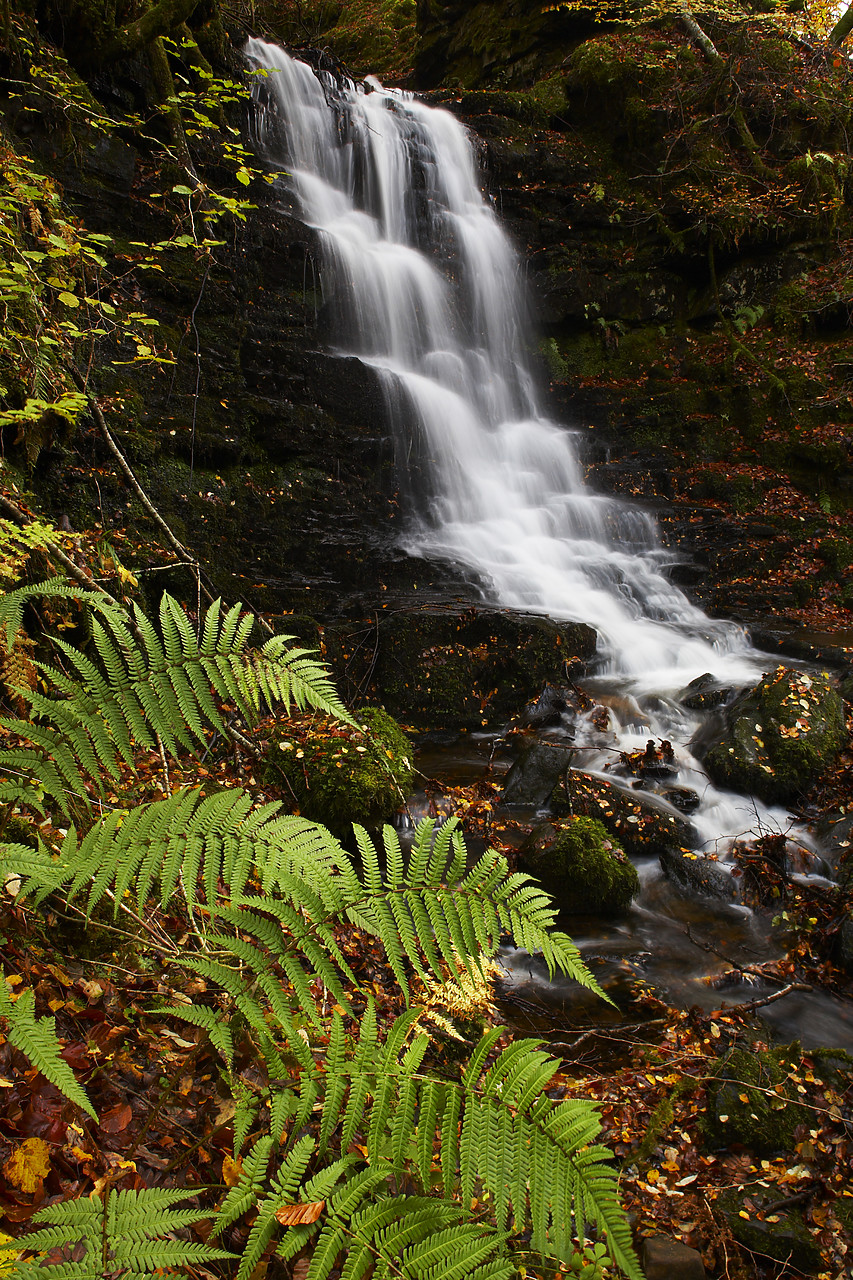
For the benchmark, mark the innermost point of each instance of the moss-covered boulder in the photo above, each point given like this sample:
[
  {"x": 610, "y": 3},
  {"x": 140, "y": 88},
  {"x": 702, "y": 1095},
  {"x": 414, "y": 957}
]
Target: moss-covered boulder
[
  {"x": 638, "y": 822},
  {"x": 439, "y": 666},
  {"x": 337, "y": 774},
  {"x": 582, "y": 866},
  {"x": 777, "y": 737},
  {"x": 782, "y": 1234},
  {"x": 752, "y": 1100}
]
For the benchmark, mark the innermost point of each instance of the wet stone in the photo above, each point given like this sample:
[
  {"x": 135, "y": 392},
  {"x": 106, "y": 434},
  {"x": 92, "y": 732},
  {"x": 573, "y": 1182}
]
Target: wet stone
[
  {"x": 535, "y": 773},
  {"x": 697, "y": 875},
  {"x": 776, "y": 738},
  {"x": 703, "y": 693},
  {"x": 667, "y": 1259},
  {"x": 638, "y": 822},
  {"x": 787, "y": 1239},
  {"x": 682, "y": 798}
]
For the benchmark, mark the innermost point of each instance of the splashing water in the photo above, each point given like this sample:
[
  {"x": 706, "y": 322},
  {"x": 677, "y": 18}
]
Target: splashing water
[{"x": 423, "y": 286}]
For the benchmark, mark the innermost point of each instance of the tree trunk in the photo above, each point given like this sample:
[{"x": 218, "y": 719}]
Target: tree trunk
[
  {"x": 842, "y": 28},
  {"x": 160, "y": 20}
]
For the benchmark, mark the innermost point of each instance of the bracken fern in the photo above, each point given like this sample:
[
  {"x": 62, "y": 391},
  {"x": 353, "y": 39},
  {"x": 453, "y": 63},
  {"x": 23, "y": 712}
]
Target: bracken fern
[{"x": 363, "y": 1150}]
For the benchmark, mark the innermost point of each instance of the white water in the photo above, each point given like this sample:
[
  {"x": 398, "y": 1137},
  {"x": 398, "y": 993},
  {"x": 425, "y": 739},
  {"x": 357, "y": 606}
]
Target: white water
[{"x": 424, "y": 287}]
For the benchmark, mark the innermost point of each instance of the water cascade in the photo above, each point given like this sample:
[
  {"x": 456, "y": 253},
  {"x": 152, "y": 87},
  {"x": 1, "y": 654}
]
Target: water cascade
[{"x": 424, "y": 287}]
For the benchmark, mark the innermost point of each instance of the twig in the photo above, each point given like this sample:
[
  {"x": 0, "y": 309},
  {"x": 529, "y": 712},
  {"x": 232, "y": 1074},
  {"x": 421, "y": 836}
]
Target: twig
[
  {"x": 749, "y": 1005},
  {"x": 125, "y": 468}
]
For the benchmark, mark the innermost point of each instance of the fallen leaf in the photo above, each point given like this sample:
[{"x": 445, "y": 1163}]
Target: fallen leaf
[
  {"x": 117, "y": 1118},
  {"x": 299, "y": 1215},
  {"x": 231, "y": 1170},
  {"x": 28, "y": 1165}
]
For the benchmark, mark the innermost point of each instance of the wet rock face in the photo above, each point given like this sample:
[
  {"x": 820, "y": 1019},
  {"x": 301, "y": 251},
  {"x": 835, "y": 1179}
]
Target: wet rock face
[
  {"x": 440, "y": 666},
  {"x": 696, "y": 875},
  {"x": 534, "y": 774},
  {"x": 581, "y": 866},
  {"x": 775, "y": 739}
]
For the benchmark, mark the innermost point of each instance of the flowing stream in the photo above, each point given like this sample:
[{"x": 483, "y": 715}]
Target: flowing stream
[{"x": 424, "y": 286}]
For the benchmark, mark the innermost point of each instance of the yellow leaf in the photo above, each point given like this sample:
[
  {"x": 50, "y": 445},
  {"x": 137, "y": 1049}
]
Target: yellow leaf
[
  {"x": 231, "y": 1170},
  {"x": 27, "y": 1166},
  {"x": 8, "y": 1253}
]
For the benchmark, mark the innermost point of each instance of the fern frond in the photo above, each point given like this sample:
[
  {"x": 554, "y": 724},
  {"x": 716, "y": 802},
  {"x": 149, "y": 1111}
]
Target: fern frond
[
  {"x": 407, "y": 1236},
  {"x": 12, "y": 603},
  {"x": 211, "y": 1020},
  {"x": 153, "y": 687},
  {"x": 244, "y": 1195},
  {"x": 126, "y": 1228},
  {"x": 36, "y": 1038},
  {"x": 283, "y": 1189}
]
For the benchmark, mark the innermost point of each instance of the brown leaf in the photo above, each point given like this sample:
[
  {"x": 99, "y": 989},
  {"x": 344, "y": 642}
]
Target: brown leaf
[
  {"x": 299, "y": 1215},
  {"x": 29, "y": 1165},
  {"x": 117, "y": 1118}
]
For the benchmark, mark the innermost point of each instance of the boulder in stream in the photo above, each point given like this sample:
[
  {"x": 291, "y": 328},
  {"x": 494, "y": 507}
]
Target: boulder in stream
[
  {"x": 439, "y": 666},
  {"x": 703, "y": 693},
  {"x": 776, "y": 738},
  {"x": 536, "y": 771},
  {"x": 698, "y": 875},
  {"x": 640, "y": 824},
  {"x": 581, "y": 866}
]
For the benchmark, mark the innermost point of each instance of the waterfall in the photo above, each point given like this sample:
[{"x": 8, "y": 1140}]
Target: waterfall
[{"x": 425, "y": 287}]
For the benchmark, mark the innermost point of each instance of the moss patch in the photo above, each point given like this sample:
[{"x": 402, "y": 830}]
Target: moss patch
[
  {"x": 338, "y": 775},
  {"x": 582, "y": 866},
  {"x": 778, "y": 736},
  {"x": 753, "y": 1100}
]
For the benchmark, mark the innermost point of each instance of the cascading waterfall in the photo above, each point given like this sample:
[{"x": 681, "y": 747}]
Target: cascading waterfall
[{"x": 424, "y": 287}]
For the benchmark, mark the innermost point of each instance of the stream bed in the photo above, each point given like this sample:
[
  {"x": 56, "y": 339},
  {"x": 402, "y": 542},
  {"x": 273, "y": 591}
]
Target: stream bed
[{"x": 670, "y": 948}]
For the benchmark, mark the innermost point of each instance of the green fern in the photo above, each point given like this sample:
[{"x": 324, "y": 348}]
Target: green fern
[
  {"x": 123, "y": 1235},
  {"x": 151, "y": 688},
  {"x": 36, "y": 1038},
  {"x": 12, "y": 603},
  {"x": 535, "y": 1158},
  {"x": 265, "y": 891},
  {"x": 430, "y": 915}
]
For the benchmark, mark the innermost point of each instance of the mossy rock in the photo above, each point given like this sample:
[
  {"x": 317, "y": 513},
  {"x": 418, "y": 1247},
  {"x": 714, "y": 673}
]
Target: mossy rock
[
  {"x": 787, "y": 1239},
  {"x": 582, "y": 866},
  {"x": 776, "y": 738},
  {"x": 752, "y": 1101},
  {"x": 438, "y": 667},
  {"x": 634, "y": 819},
  {"x": 20, "y": 830},
  {"x": 339, "y": 775}
]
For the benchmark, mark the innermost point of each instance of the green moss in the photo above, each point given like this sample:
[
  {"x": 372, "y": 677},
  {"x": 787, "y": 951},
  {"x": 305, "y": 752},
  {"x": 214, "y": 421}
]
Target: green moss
[
  {"x": 779, "y": 736},
  {"x": 19, "y": 830},
  {"x": 784, "y": 1236},
  {"x": 338, "y": 775},
  {"x": 583, "y": 867},
  {"x": 752, "y": 1101}
]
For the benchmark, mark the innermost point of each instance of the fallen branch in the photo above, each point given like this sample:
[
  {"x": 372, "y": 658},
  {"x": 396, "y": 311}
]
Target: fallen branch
[{"x": 750, "y": 1005}]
